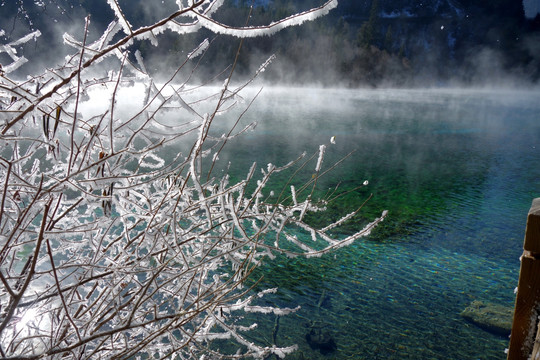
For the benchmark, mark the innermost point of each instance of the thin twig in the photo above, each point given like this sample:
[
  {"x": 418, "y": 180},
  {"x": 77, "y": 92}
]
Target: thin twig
[{"x": 61, "y": 295}]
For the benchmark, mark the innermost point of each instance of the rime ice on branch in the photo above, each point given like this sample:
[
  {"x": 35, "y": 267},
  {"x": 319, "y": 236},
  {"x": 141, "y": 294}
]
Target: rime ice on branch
[
  {"x": 109, "y": 245},
  {"x": 11, "y": 51}
]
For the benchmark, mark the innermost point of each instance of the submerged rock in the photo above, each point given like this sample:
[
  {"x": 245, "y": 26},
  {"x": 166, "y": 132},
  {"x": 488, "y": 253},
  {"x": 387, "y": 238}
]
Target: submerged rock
[
  {"x": 494, "y": 318},
  {"x": 321, "y": 340}
]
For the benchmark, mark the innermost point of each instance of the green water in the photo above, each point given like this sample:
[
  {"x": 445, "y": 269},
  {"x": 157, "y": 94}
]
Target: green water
[{"x": 457, "y": 171}]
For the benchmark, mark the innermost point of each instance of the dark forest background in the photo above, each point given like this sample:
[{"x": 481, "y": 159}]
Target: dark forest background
[{"x": 360, "y": 43}]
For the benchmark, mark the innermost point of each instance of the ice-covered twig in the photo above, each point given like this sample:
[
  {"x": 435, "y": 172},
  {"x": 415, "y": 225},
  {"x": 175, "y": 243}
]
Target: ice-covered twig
[{"x": 149, "y": 241}]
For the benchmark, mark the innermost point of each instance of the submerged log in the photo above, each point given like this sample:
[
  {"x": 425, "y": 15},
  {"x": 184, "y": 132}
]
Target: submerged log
[{"x": 494, "y": 318}]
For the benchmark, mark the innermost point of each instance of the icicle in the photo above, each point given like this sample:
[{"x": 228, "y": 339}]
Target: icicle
[
  {"x": 15, "y": 65},
  {"x": 304, "y": 209},
  {"x": 120, "y": 16},
  {"x": 33, "y": 35},
  {"x": 251, "y": 172},
  {"x": 107, "y": 36},
  {"x": 199, "y": 49},
  {"x": 322, "y": 148},
  {"x": 139, "y": 58},
  {"x": 293, "y": 193}
]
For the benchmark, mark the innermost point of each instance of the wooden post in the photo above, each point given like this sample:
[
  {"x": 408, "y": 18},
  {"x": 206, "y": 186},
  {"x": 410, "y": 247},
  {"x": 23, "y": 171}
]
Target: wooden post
[{"x": 527, "y": 306}]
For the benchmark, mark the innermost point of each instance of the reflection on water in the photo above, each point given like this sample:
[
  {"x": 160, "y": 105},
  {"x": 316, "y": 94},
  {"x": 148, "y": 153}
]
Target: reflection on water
[{"x": 457, "y": 171}]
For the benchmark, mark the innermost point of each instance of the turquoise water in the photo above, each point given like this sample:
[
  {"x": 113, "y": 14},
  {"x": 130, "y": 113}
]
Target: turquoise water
[{"x": 457, "y": 171}]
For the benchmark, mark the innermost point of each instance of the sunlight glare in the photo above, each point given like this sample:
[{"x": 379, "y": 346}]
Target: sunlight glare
[{"x": 29, "y": 315}]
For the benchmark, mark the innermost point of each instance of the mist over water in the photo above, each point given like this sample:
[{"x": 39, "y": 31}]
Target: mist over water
[{"x": 455, "y": 168}]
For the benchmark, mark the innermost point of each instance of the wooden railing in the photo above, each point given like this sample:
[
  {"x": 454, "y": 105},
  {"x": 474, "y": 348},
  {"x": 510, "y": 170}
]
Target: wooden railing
[{"x": 525, "y": 336}]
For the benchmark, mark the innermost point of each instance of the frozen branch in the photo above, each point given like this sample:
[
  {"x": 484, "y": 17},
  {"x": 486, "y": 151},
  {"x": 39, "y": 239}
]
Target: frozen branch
[{"x": 115, "y": 226}]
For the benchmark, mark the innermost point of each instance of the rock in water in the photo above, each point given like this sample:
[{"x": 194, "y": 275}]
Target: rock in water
[
  {"x": 321, "y": 340},
  {"x": 494, "y": 318}
]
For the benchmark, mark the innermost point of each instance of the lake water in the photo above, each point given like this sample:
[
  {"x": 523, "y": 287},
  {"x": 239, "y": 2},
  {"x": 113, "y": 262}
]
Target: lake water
[{"x": 457, "y": 171}]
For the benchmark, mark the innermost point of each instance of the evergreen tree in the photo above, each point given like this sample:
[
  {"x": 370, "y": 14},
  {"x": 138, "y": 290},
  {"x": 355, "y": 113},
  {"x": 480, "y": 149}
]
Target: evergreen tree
[
  {"x": 401, "y": 52},
  {"x": 366, "y": 35},
  {"x": 388, "y": 40}
]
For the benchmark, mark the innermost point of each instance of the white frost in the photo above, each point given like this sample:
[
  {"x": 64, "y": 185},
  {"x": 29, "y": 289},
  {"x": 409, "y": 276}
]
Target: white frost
[
  {"x": 322, "y": 148},
  {"x": 272, "y": 28},
  {"x": 120, "y": 16},
  {"x": 199, "y": 50}
]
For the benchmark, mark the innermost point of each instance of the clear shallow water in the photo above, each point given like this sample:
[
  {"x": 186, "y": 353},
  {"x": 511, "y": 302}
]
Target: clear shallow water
[{"x": 457, "y": 171}]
